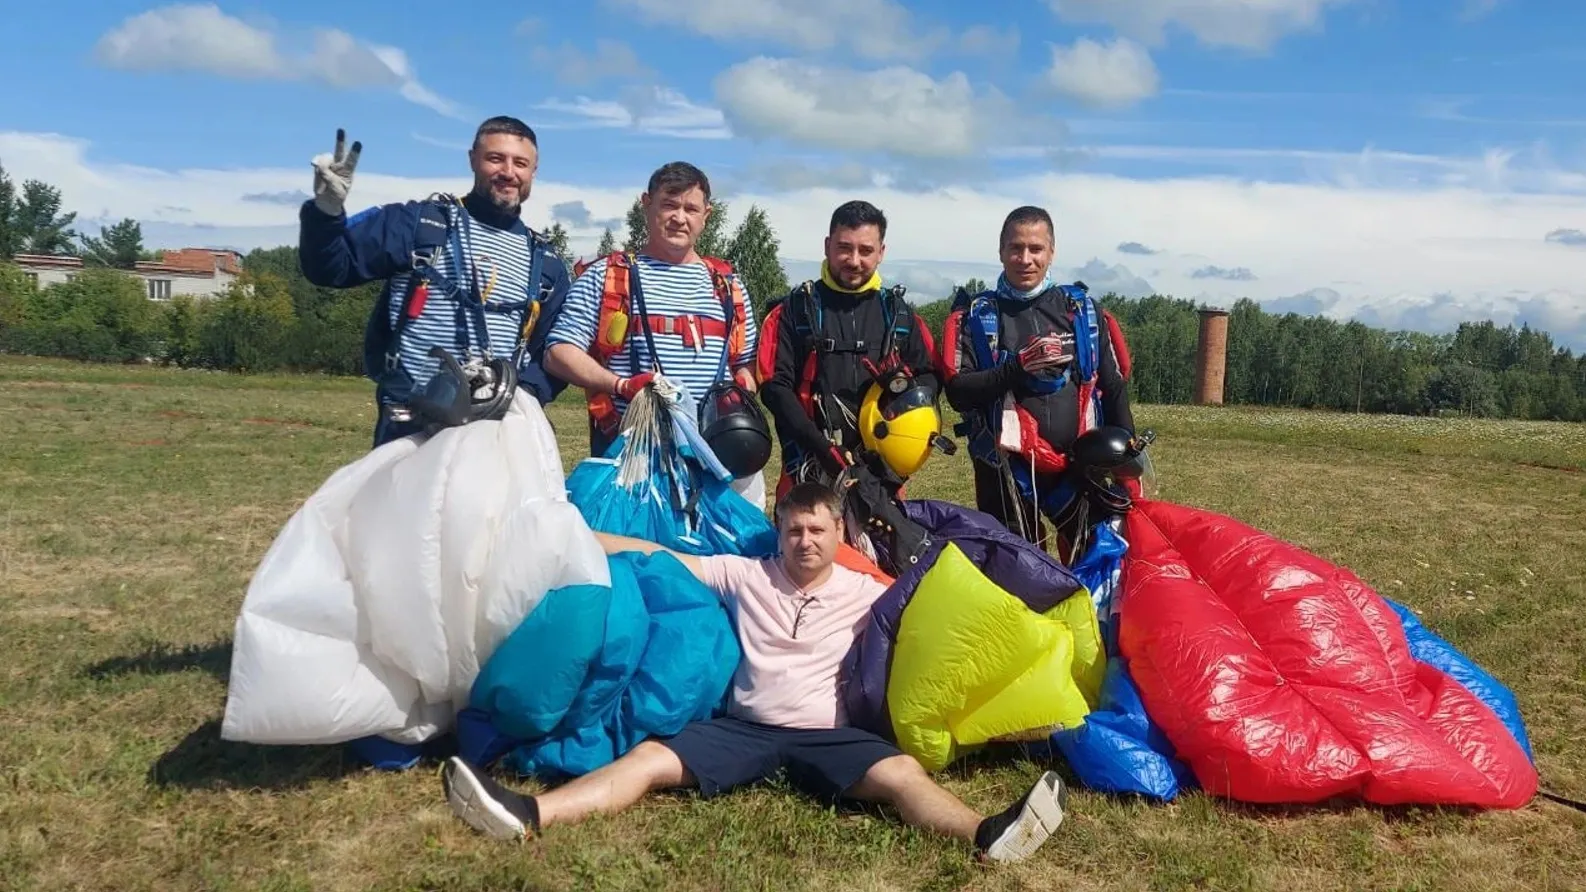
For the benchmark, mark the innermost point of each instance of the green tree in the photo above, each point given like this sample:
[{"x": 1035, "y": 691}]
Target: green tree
[
  {"x": 248, "y": 328},
  {"x": 975, "y": 286},
  {"x": 10, "y": 239},
  {"x": 608, "y": 243},
  {"x": 119, "y": 246},
  {"x": 935, "y": 315},
  {"x": 754, "y": 254},
  {"x": 184, "y": 327},
  {"x": 557, "y": 237},
  {"x": 102, "y": 315},
  {"x": 40, "y": 226},
  {"x": 711, "y": 242},
  {"x": 14, "y": 293},
  {"x": 638, "y": 233}
]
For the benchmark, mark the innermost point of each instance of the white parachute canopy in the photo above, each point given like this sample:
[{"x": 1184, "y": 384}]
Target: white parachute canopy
[{"x": 375, "y": 607}]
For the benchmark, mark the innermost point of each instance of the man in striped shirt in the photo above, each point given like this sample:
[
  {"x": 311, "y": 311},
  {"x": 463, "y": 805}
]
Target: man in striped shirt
[
  {"x": 480, "y": 244},
  {"x": 688, "y": 333}
]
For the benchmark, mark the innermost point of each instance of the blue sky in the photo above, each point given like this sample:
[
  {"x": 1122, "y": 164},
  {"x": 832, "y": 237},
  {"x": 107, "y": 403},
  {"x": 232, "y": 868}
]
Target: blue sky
[{"x": 1408, "y": 163}]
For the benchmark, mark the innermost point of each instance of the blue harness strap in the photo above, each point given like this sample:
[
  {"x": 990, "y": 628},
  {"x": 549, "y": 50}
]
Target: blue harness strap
[
  {"x": 443, "y": 222},
  {"x": 982, "y": 323}
]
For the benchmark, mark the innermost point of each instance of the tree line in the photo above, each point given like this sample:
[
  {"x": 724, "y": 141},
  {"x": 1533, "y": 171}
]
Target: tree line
[{"x": 273, "y": 319}]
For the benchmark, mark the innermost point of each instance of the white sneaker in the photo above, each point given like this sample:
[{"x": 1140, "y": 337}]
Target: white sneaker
[
  {"x": 1027, "y": 824},
  {"x": 484, "y": 804}
]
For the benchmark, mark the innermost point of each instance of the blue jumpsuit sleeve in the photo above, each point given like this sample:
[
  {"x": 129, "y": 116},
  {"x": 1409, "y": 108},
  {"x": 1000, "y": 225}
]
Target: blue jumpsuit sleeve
[
  {"x": 554, "y": 284},
  {"x": 344, "y": 252}
]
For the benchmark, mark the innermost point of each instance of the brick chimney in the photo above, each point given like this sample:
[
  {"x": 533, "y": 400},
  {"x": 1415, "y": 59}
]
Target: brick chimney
[{"x": 1211, "y": 354}]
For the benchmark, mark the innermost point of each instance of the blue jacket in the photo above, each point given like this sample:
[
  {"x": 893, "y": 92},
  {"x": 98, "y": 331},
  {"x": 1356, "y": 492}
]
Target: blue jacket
[{"x": 376, "y": 244}]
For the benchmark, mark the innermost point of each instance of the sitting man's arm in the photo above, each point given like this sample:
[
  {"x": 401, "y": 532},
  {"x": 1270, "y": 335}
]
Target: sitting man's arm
[{"x": 614, "y": 544}]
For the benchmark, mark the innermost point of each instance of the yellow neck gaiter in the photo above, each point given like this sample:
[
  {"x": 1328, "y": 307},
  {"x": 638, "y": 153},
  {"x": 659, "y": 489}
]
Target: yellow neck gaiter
[{"x": 874, "y": 283}]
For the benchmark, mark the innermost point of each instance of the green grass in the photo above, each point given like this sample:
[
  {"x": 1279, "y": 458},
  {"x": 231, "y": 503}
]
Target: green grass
[{"x": 137, "y": 501}]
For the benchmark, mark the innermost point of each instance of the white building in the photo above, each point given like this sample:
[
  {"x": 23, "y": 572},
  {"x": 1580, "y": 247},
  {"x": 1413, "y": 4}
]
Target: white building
[{"x": 200, "y": 272}]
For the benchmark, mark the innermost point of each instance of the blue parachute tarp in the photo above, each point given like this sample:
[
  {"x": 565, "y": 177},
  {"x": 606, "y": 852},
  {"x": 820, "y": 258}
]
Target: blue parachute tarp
[
  {"x": 659, "y": 481},
  {"x": 1117, "y": 749},
  {"x": 594, "y": 671},
  {"x": 720, "y": 521}
]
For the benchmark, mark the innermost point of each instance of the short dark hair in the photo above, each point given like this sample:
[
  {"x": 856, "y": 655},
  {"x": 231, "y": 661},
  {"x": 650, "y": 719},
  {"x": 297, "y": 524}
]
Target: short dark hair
[
  {"x": 678, "y": 176},
  {"x": 807, "y": 497},
  {"x": 854, "y": 214},
  {"x": 1026, "y": 214},
  {"x": 508, "y": 125}
]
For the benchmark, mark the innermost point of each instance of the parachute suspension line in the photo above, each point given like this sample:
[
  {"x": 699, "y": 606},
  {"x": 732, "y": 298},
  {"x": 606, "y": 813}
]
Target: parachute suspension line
[{"x": 646, "y": 440}]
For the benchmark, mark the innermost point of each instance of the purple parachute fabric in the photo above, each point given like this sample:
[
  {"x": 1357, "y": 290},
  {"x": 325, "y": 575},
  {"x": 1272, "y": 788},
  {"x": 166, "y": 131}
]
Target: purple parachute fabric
[{"x": 1027, "y": 573}]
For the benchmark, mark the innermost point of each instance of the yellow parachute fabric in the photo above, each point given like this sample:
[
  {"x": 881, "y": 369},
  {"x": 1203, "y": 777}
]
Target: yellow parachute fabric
[{"x": 973, "y": 664}]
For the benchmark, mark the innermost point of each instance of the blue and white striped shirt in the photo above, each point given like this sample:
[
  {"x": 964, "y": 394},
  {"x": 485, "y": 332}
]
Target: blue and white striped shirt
[
  {"x": 497, "y": 267},
  {"x": 669, "y": 290}
]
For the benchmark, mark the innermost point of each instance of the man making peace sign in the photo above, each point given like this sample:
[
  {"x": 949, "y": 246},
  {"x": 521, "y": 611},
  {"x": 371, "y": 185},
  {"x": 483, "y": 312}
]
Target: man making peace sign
[{"x": 465, "y": 275}]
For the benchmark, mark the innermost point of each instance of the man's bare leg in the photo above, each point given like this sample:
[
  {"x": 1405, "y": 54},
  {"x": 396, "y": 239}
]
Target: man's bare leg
[
  {"x": 496, "y": 811},
  {"x": 611, "y": 788},
  {"x": 1011, "y": 835},
  {"x": 902, "y": 783}
]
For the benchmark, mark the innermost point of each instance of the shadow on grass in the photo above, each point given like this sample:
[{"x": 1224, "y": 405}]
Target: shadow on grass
[
  {"x": 203, "y": 761},
  {"x": 160, "y": 658}
]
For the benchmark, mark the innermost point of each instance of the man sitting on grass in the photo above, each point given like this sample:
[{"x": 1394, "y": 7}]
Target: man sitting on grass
[{"x": 796, "y": 616}]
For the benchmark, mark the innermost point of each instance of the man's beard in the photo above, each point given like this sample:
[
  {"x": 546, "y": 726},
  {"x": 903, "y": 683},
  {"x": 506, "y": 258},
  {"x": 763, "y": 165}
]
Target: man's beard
[{"x": 511, "y": 205}]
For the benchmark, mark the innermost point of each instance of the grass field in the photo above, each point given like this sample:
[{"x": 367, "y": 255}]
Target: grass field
[{"x": 136, "y": 503}]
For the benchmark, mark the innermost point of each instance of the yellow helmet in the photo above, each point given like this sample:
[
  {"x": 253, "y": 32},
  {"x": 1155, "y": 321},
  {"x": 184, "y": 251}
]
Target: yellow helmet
[{"x": 898, "y": 421}]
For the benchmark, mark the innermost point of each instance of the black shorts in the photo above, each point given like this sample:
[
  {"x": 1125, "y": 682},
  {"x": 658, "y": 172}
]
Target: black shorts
[{"x": 725, "y": 753}]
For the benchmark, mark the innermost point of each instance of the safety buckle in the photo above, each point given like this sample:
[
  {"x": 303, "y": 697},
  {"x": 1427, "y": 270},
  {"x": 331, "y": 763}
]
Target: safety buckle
[
  {"x": 393, "y": 358},
  {"x": 826, "y": 345}
]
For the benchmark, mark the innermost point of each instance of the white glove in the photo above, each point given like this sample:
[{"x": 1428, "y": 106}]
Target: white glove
[{"x": 333, "y": 175}]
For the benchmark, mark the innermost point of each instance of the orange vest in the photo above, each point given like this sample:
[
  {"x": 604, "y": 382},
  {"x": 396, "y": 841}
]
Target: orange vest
[{"x": 611, "y": 325}]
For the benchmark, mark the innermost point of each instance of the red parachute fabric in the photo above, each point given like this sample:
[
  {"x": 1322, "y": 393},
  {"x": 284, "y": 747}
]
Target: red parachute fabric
[{"x": 1281, "y": 678}]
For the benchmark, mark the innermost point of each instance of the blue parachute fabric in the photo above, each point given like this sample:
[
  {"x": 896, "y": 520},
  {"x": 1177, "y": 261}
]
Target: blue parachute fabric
[
  {"x": 720, "y": 522},
  {"x": 1427, "y": 647},
  {"x": 1118, "y": 749},
  {"x": 592, "y": 671}
]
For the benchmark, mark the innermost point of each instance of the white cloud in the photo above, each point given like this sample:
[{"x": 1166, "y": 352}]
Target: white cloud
[
  {"x": 1247, "y": 24},
  {"x": 655, "y": 111},
  {"x": 986, "y": 39},
  {"x": 896, "y": 110},
  {"x": 577, "y": 215},
  {"x": 200, "y": 37},
  {"x": 1114, "y": 74},
  {"x": 1412, "y": 255},
  {"x": 871, "y": 29},
  {"x": 610, "y": 59},
  {"x": 1114, "y": 279}
]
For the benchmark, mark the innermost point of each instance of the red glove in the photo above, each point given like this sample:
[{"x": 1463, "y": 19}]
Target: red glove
[
  {"x": 1043, "y": 354},
  {"x": 628, "y": 388}
]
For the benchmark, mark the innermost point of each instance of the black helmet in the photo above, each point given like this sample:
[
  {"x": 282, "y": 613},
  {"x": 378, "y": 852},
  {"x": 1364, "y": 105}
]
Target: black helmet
[
  {"x": 1109, "y": 451},
  {"x": 1097, "y": 461},
  {"x": 732, "y": 424},
  {"x": 455, "y": 395}
]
